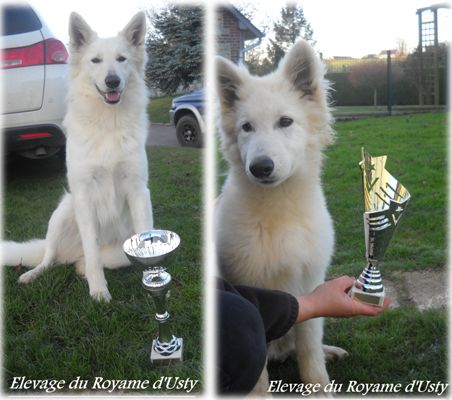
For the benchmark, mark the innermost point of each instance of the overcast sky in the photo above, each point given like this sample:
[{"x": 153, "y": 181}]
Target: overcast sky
[
  {"x": 341, "y": 28},
  {"x": 358, "y": 27}
]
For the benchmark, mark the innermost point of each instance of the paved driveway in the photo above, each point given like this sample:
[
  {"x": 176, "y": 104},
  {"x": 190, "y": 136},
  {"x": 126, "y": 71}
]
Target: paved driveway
[{"x": 162, "y": 135}]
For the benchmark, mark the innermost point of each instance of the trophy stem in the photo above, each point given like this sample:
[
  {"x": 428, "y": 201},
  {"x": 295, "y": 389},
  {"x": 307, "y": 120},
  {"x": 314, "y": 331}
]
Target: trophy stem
[
  {"x": 369, "y": 288},
  {"x": 166, "y": 347},
  {"x": 162, "y": 317},
  {"x": 370, "y": 279}
]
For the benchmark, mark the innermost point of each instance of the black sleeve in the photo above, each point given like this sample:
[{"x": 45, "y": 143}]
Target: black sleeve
[{"x": 279, "y": 310}]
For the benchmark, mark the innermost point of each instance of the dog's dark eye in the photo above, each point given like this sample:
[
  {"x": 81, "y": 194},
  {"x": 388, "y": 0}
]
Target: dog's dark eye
[
  {"x": 284, "y": 122},
  {"x": 121, "y": 59},
  {"x": 96, "y": 60},
  {"x": 247, "y": 127}
]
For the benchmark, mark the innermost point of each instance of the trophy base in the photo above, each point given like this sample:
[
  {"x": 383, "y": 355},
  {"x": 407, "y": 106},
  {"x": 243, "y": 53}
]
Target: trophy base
[
  {"x": 175, "y": 357},
  {"x": 374, "y": 299}
]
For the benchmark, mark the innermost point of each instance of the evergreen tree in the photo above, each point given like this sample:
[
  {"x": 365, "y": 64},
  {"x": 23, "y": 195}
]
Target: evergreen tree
[
  {"x": 175, "y": 48},
  {"x": 291, "y": 26}
]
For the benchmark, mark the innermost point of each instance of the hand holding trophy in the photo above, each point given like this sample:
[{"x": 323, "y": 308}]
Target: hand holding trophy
[{"x": 385, "y": 200}]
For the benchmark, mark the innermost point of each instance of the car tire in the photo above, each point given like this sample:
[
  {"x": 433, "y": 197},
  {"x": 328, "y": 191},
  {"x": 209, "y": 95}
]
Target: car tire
[{"x": 188, "y": 132}]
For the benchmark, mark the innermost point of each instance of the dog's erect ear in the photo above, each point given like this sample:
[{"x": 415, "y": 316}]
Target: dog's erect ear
[
  {"x": 228, "y": 81},
  {"x": 135, "y": 30},
  {"x": 302, "y": 68},
  {"x": 80, "y": 32}
]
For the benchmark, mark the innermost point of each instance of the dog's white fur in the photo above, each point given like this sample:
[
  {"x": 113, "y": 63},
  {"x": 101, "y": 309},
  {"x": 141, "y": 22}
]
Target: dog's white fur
[
  {"x": 107, "y": 170},
  {"x": 276, "y": 232}
]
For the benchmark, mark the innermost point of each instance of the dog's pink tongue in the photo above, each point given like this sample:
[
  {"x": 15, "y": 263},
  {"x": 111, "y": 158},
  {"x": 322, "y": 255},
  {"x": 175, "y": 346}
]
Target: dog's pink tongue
[{"x": 112, "y": 96}]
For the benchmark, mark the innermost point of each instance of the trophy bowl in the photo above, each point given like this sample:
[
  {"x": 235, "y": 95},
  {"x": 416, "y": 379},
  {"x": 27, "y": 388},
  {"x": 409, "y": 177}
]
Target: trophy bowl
[{"x": 151, "y": 247}]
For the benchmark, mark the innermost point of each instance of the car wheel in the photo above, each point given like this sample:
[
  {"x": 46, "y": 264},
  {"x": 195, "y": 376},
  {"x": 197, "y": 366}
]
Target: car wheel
[{"x": 188, "y": 132}]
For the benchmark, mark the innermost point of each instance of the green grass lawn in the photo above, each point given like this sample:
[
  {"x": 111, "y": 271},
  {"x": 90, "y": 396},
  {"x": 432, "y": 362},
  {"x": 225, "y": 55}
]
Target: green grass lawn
[
  {"x": 416, "y": 149},
  {"x": 54, "y": 330},
  {"x": 158, "y": 109},
  {"x": 403, "y": 344}
]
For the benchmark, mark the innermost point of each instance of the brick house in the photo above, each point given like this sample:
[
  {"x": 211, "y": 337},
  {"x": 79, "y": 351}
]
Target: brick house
[{"x": 234, "y": 30}]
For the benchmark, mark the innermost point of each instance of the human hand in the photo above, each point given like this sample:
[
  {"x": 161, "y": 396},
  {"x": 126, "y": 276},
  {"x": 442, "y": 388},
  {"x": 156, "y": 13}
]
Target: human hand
[{"x": 331, "y": 299}]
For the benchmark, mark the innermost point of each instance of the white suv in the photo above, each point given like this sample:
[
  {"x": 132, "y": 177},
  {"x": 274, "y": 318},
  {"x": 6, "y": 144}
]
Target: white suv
[{"x": 34, "y": 72}]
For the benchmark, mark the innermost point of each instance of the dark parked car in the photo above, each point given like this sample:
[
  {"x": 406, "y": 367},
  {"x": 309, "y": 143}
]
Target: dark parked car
[{"x": 186, "y": 115}]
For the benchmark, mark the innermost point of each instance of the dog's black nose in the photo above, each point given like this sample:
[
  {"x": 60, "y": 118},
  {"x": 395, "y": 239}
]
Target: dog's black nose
[
  {"x": 112, "y": 81},
  {"x": 262, "y": 167}
]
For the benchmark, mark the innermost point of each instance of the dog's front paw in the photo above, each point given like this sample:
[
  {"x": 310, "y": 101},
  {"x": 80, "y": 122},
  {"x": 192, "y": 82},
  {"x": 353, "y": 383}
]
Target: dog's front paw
[
  {"x": 80, "y": 268},
  {"x": 333, "y": 353},
  {"x": 27, "y": 277},
  {"x": 101, "y": 295}
]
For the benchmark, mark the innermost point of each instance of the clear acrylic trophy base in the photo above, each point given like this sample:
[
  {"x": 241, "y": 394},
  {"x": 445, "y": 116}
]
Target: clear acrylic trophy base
[
  {"x": 165, "y": 359},
  {"x": 374, "y": 299}
]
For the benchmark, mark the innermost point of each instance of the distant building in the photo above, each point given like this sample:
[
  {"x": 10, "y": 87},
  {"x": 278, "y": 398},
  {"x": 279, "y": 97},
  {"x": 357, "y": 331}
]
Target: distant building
[
  {"x": 234, "y": 30},
  {"x": 384, "y": 54},
  {"x": 340, "y": 58}
]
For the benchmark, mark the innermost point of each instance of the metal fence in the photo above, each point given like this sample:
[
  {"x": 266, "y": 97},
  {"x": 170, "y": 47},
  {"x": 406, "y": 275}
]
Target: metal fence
[{"x": 385, "y": 80}]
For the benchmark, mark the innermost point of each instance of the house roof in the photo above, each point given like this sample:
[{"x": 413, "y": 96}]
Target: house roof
[
  {"x": 250, "y": 31},
  {"x": 385, "y": 52},
  {"x": 434, "y": 7}
]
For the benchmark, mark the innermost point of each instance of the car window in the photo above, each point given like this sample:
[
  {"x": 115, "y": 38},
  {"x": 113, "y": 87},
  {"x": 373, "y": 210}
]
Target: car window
[{"x": 19, "y": 19}]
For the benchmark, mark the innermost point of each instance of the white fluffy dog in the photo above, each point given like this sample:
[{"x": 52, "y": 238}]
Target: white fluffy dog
[
  {"x": 107, "y": 170},
  {"x": 273, "y": 229}
]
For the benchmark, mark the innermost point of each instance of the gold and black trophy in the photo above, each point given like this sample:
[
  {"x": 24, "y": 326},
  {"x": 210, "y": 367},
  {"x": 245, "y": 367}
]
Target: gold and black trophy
[{"x": 385, "y": 200}]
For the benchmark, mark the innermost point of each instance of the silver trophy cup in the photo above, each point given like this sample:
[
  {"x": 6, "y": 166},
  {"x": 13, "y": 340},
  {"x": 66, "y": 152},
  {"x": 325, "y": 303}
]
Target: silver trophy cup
[
  {"x": 385, "y": 200},
  {"x": 147, "y": 249}
]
